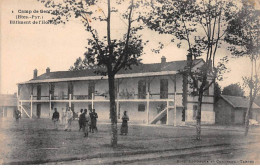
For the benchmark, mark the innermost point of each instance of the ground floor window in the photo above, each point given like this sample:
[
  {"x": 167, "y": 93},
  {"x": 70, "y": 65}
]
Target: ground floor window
[{"x": 141, "y": 107}]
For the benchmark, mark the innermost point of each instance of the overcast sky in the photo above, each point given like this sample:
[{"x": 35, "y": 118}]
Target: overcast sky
[{"x": 28, "y": 47}]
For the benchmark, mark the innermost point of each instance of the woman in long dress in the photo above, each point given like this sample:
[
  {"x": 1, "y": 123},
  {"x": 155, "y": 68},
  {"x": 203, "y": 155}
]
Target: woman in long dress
[
  {"x": 124, "y": 126},
  {"x": 68, "y": 119}
]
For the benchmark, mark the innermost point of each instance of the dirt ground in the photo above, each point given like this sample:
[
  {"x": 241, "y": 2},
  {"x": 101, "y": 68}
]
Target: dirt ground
[{"x": 36, "y": 142}]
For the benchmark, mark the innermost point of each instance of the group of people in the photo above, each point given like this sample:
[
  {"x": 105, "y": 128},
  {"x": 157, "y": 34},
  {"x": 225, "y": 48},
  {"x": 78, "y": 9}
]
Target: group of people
[
  {"x": 66, "y": 118},
  {"x": 87, "y": 121}
]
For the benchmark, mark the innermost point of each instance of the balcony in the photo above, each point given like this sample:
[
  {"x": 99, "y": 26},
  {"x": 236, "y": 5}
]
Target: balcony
[{"x": 104, "y": 97}]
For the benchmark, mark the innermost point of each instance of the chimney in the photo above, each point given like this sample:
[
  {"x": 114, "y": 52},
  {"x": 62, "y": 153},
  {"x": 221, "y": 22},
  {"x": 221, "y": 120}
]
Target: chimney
[
  {"x": 35, "y": 74},
  {"x": 48, "y": 70},
  {"x": 163, "y": 59},
  {"x": 189, "y": 59}
]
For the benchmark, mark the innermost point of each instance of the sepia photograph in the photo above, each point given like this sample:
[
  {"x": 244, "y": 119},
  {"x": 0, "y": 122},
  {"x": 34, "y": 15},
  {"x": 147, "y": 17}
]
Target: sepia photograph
[{"x": 129, "y": 82}]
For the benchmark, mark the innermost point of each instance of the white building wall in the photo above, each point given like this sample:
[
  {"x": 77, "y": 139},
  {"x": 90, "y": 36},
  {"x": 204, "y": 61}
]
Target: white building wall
[{"x": 131, "y": 85}]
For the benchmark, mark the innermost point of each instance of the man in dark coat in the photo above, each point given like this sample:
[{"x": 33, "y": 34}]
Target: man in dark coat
[
  {"x": 17, "y": 115},
  {"x": 83, "y": 122},
  {"x": 55, "y": 118},
  {"x": 94, "y": 117},
  {"x": 80, "y": 122}
]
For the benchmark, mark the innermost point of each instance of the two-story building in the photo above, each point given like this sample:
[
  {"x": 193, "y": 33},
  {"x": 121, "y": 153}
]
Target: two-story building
[{"x": 151, "y": 93}]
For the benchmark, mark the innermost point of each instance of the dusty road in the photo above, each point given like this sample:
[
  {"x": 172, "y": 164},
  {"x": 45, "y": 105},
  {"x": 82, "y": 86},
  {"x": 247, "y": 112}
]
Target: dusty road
[{"x": 36, "y": 142}]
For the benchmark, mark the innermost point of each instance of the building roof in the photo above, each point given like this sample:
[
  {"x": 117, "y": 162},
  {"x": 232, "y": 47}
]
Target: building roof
[
  {"x": 135, "y": 71},
  {"x": 238, "y": 102},
  {"x": 257, "y": 100},
  {"x": 8, "y": 100}
]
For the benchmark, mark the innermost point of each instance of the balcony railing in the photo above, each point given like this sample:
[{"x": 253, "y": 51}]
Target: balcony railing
[{"x": 103, "y": 97}]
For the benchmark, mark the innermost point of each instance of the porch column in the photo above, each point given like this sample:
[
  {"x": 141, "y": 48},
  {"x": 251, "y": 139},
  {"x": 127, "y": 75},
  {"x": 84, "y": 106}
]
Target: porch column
[
  {"x": 167, "y": 113},
  {"x": 147, "y": 106},
  {"x": 18, "y": 101},
  {"x": 31, "y": 105},
  {"x": 50, "y": 106},
  {"x": 21, "y": 107},
  {"x": 174, "y": 113},
  {"x": 70, "y": 100},
  {"x": 117, "y": 106},
  {"x": 92, "y": 101},
  {"x": 117, "y": 101}
]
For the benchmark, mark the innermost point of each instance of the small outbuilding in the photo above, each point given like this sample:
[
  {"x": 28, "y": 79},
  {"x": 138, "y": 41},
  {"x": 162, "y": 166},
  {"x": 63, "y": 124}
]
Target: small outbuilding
[
  {"x": 8, "y": 104},
  {"x": 230, "y": 110}
]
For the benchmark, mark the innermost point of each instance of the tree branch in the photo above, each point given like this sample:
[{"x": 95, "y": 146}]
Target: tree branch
[{"x": 124, "y": 56}]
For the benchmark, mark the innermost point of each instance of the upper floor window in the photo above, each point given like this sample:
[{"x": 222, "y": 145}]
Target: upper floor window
[
  {"x": 70, "y": 89},
  {"x": 141, "y": 89},
  {"x": 164, "y": 88},
  {"x": 91, "y": 89},
  {"x": 52, "y": 87},
  {"x": 39, "y": 90}
]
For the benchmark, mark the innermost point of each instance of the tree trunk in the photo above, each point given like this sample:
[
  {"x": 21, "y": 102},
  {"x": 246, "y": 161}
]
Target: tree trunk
[
  {"x": 198, "y": 126},
  {"x": 113, "y": 116},
  {"x": 247, "y": 116}
]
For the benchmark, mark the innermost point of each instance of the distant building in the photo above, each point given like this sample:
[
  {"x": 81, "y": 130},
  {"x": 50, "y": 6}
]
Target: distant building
[
  {"x": 232, "y": 110},
  {"x": 151, "y": 93},
  {"x": 8, "y": 104}
]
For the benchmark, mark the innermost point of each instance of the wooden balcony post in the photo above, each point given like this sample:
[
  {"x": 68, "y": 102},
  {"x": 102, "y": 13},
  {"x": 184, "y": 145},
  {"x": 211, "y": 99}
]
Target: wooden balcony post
[
  {"x": 50, "y": 106},
  {"x": 31, "y": 106},
  {"x": 18, "y": 101},
  {"x": 92, "y": 101},
  {"x": 174, "y": 114},
  {"x": 117, "y": 106},
  {"x": 70, "y": 100},
  {"x": 21, "y": 107},
  {"x": 167, "y": 113},
  {"x": 147, "y": 106}
]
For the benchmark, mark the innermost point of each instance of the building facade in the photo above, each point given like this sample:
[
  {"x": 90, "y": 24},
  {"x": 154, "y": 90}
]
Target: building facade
[
  {"x": 8, "y": 105},
  {"x": 231, "y": 110},
  {"x": 151, "y": 93}
]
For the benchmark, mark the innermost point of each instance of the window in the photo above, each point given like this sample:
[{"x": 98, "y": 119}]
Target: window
[
  {"x": 52, "y": 87},
  {"x": 91, "y": 89},
  {"x": 164, "y": 88},
  {"x": 195, "y": 90},
  {"x": 70, "y": 89},
  {"x": 141, "y": 89},
  {"x": 141, "y": 107},
  {"x": 195, "y": 109},
  {"x": 183, "y": 114},
  {"x": 39, "y": 92}
]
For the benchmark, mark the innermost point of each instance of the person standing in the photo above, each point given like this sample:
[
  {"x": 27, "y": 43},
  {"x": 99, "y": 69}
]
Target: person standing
[
  {"x": 55, "y": 118},
  {"x": 63, "y": 116},
  {"x": 94, "y": 117},
  {"x": 68, "y": 119},
  {"x": 17, "y": 115},
  {"x": 124, "y": 126},
  {"x": 80, "y": 122},
  {"x": 83, "y": 120}
]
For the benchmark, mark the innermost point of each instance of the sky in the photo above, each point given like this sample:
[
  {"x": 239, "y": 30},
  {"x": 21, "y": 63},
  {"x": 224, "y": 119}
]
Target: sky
[{"x": 28, "y": 47}]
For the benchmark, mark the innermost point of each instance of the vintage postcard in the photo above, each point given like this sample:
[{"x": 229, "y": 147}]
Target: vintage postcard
[{"x": 129, "y": 82}]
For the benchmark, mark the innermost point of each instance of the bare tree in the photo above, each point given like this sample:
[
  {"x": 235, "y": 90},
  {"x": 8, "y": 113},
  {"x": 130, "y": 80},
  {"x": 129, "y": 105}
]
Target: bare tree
[
  {"x": 243, "y": 35},
  {"x": 110, "y": 55},
  {"x": 200, "y": 27}
]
